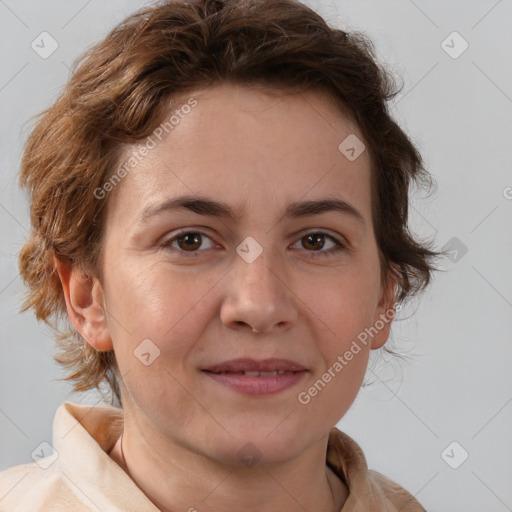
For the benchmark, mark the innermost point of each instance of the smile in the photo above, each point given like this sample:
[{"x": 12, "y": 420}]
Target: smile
[{"x": 256, "y": 383}]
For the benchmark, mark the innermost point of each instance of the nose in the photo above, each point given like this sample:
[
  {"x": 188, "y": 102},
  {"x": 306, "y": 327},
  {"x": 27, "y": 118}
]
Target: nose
[{"x": 258, "y": 298}]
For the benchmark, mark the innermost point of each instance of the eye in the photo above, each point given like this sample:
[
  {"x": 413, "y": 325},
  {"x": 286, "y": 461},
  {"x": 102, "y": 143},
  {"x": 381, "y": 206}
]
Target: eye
[
  {"x": 314, "y": 242},
  {"x": 187, "y": 242}
]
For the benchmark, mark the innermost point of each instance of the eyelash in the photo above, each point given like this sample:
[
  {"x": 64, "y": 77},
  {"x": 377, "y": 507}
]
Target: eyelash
[{"x": 313, "y": 254}]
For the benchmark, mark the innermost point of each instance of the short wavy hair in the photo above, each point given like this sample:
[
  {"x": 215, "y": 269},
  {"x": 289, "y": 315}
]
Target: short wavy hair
[{"x": 119, "y": 92}]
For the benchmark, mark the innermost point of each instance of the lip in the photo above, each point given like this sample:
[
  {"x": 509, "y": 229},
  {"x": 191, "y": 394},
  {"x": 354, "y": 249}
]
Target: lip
[
  {"x": 253, "y": 365},
  {"x": 257, "y": 385}
]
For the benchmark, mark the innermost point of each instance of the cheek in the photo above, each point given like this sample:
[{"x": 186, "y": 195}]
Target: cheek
[
  {"x": 343, "y": 308},
  {"x": 139, "y": 300},
  {"x": 346, "y": 303},
  {"x": 145, "y": 293},
  {"x": 167, "y": 307},
  {"x": 158, "y": 318},
  {"x": 346, "y": 309},
  {"x": 330, "y": 395}
]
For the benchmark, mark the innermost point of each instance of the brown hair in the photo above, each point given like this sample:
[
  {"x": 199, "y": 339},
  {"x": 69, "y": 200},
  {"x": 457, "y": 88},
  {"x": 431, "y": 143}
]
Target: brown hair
[{"x": 117, "y": 95}]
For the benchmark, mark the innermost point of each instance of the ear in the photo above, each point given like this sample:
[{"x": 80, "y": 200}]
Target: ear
[
  {"x": 384, "y": 313},
  {"x": 85, "y": 304}
]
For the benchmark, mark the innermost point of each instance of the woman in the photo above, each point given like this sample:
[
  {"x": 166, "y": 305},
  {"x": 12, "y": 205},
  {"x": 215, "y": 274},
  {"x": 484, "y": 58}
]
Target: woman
[{"x": 219, "y": 207}]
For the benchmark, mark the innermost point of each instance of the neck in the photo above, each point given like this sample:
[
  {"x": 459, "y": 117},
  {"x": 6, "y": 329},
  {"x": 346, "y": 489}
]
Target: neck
[{"x": 206, "y": 486}]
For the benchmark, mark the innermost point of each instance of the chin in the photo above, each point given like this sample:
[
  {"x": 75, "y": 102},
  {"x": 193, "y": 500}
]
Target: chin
[{"x": 259, "y": 447}]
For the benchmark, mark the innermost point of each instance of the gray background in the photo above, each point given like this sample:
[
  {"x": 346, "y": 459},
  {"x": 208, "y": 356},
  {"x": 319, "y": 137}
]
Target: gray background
[{"x": 457, "y": 384}]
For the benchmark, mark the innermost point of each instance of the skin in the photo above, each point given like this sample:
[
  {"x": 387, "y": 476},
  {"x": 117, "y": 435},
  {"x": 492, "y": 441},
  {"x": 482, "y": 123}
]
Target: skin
[{"x": 261, "y": 151}]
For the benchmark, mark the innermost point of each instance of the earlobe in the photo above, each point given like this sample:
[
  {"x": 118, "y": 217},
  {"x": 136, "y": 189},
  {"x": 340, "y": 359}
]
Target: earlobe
[{"x": 85, "y": 304}]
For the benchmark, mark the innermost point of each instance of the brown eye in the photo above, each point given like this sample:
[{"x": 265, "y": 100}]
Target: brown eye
[
  {"x": 187, "y": 242},
  {"x": 315, "y": 244},
  {"x": 314, "y": 241}
]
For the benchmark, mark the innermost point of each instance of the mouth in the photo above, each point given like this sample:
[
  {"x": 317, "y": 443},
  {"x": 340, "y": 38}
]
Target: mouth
[
  {"x": 253, "y": 377},
  {"x": 244, "y": 365},
  {"x": 253, "y": 374}
]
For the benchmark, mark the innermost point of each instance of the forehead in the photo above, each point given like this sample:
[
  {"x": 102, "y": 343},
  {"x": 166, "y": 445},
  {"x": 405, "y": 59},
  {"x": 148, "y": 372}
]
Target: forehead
[{"x": 243, "y": 146}]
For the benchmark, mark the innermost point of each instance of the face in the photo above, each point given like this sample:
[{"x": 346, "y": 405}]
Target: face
[{"x": 185, "y": 287}]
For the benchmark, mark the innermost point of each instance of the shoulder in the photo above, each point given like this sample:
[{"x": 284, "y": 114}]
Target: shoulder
[
  {"x": 369, "y": 490},
  {"x": 60, "y": 479},
  {"x": 388, "y": 490},
  {"x": 30, "y": 487}
]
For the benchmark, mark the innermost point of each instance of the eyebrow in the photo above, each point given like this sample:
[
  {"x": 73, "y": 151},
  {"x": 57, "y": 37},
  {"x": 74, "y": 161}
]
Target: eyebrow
[{"x": 210, "y": 207}]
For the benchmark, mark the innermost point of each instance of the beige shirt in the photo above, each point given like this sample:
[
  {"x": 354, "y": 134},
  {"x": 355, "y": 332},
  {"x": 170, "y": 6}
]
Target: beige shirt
[{"x": 80, "y": 476}]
